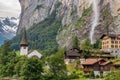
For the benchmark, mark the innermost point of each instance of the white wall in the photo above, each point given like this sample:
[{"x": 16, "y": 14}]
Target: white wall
[
  {"x": 23, "y": 50},
  {"x": 97, "y": 73}
]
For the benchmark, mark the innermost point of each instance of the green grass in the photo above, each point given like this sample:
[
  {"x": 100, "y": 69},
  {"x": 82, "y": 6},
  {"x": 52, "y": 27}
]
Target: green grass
[{"x": 71, "y": 67}]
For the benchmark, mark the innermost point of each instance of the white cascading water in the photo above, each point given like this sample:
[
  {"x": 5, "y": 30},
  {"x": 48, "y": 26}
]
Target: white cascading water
[{"x": 95, "y": 19}]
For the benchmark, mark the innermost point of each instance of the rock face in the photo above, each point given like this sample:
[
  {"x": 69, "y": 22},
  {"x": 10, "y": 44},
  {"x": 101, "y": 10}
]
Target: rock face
[
  {"x": 76, "y": 17},
  {"x": 35, "y": 11}
]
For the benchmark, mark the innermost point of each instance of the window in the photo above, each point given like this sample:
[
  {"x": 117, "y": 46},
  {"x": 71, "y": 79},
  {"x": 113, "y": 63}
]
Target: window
[
  {"x": 116, "y": 42},
  {"x": 112, "y": 46},
  {"x": 115, "y": 51},
  {"x": 112, "y": 42},
  {"x": 111, "y": 51},
  {"x": 116, "y": 46},
  {"x": 24, "y": 47}
]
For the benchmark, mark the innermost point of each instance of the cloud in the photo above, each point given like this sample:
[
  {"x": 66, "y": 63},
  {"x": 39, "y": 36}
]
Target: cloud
[{"x": 9, "y": 8}]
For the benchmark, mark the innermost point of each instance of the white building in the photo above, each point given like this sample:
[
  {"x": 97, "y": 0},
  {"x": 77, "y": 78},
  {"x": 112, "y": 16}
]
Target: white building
[
  {"x": 24, "y": 44},
  {"x": 24, "y": 48},
  {"x": 35, "y": 53}
]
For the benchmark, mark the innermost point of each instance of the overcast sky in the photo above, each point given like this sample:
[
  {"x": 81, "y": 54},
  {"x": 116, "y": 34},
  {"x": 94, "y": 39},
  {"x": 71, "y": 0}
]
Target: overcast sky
[{"x": 9, "y": 8}]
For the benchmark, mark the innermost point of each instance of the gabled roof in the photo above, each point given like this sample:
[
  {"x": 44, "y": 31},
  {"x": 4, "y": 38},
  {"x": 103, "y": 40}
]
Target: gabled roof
[
  {"x": 116, "y": 63},
  {"x": 105, "y": 63},
  {"x": 109, "y": 35},
  {"x": 24, "y": 38},
  {"x": 73, "y": 52},
  {"x": 91, "y": 61},
  {"x": 34, "y": 53}
]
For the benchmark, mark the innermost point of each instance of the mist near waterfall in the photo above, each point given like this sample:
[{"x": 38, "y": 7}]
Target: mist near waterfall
[{"x": 95, "y": 20}]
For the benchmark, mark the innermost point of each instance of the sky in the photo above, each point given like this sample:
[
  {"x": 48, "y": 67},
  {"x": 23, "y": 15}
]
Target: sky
[{"x": 9, "y": 8}]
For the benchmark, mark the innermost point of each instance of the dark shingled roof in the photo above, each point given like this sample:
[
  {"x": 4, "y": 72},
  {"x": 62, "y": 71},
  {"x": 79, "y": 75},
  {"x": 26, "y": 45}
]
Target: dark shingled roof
[
  {"x": 73, "y": 52},
  {"x": 109, "y": 35},
  {"x": 24, "y": 39}
]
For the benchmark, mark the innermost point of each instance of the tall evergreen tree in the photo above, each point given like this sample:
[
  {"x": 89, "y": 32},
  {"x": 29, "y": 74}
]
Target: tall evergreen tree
[{"x": 75, "y": 42}]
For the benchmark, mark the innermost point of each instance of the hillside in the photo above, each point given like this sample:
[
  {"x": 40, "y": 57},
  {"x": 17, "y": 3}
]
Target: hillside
[{"x": 54, "y": 23}]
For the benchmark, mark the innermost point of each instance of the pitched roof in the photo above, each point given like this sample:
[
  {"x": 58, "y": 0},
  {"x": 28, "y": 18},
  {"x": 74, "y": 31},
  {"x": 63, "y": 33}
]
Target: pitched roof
[
  {"x": 73, "y": 52},
  {"x": 24, "y": 38},
  {"x": 109, "y": 35},
  {"x": 35, "y": 53},
  {"x": 105, "y": 63},
  {"x": 116, "y": 63},
  {"x": 91, "y": 61}
]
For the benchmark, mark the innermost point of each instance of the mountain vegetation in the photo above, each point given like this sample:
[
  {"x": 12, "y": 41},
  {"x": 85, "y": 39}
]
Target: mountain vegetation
[
  {"x": 24, "y": 68},
  {"x": 42, "y": 36}
]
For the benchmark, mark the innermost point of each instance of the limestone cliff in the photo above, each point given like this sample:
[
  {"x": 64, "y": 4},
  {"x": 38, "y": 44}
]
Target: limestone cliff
[
  {"x": 76, "y": 17},
  {"x": 34, "y": 11}
]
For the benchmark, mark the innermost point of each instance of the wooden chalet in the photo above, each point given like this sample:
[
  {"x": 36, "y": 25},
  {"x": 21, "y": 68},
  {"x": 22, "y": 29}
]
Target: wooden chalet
[
  {"x": 73, "y": 54},
  {"x": 93, "y": 65},
  {"x": 99, "y": 66},
  {"x": 105, "y": 67}
]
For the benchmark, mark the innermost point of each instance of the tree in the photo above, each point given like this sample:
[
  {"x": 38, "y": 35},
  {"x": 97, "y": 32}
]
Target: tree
[
  {"x": 6, "y": 47},
  {"x": 86, "y": 45},
  {"x": 114, "y": 75},
  {"x": 31, "y": 69},
  {"x": 57, "y": 67},
  {"x": 8, "y": 63},
  {"x": 86, "y": 54},
  {"x": 75, "y": 42},
  {"x": 97, "y": 45},
  {"x": 5, "y": 50}
]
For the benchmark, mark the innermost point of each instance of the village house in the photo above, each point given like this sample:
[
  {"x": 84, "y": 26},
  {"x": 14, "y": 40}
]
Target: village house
[
  {"x": 24, "y": 48},
  {"x": 99, "y": 66},
  {"x": 111, "y": 43},
  {"x": 93, "y": 65},
  {"x": 105, "y": 67},
  {"x": 71, "y": 55}
]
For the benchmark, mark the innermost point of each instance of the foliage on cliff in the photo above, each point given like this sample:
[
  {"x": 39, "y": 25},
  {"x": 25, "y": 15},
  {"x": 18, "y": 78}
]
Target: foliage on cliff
[{"x": 41, "y": 36}]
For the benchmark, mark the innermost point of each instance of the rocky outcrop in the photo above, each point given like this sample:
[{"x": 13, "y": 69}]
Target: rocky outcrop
[
  {"x": 35, "y": 11},
  {"x": 75, "y": 15}
]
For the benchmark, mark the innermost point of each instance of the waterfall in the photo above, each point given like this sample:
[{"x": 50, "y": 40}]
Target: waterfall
[{"x": 95, "y": 19}]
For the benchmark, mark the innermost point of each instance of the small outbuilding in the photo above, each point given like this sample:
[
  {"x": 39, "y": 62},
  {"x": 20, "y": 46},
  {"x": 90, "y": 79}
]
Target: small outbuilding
[{"x": 35, "y": 53}]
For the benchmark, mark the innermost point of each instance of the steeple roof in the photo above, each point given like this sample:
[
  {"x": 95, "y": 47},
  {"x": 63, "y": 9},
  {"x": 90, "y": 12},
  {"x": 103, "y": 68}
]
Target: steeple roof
[{"x": 24, "y": 39}]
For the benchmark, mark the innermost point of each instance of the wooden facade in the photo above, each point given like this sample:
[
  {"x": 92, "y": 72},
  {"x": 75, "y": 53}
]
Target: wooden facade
[
  {"x": 73, "y": 54},
  {"x": 99, "y": 65},
  {"x": 92, "y": 65}
]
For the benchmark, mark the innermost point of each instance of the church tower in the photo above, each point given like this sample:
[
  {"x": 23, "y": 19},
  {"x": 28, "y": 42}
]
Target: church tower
[{"x": 24, "y": 44}]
